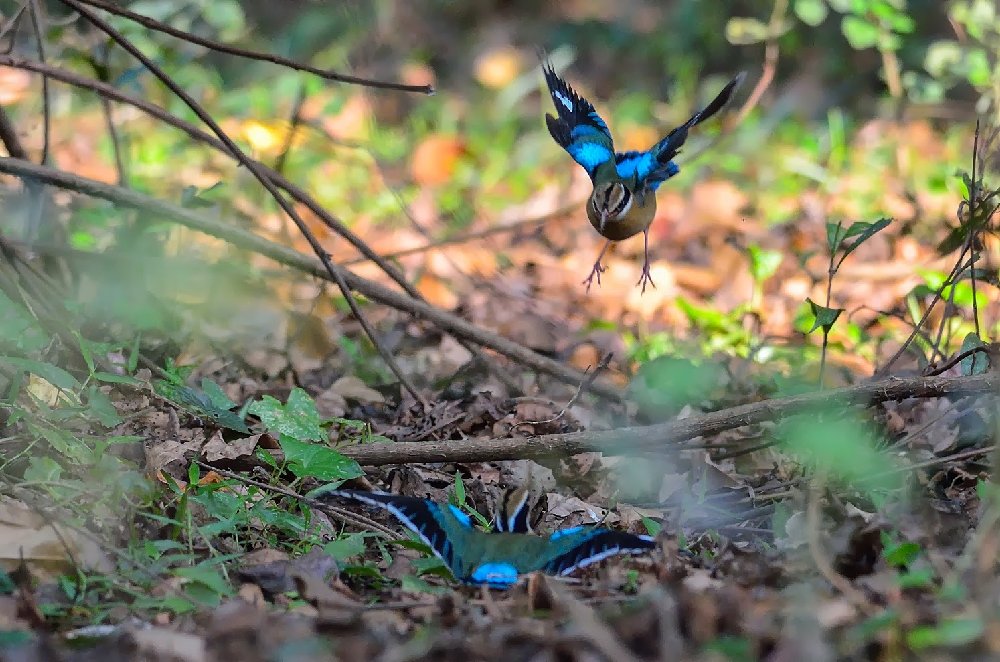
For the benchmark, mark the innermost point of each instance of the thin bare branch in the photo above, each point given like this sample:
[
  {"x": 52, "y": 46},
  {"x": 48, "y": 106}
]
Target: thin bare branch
[
  {"x": 105, "y": 91},
  {"x": 259, "y": 173},
  {"x": 243, "y": 239},
  {"x": 220, "y": 47}
]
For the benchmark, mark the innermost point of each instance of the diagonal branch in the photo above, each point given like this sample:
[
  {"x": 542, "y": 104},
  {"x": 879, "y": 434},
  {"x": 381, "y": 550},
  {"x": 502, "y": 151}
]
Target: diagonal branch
[
  {"x": 220, "y": 47},
  {"x": 258, "y": 172},
  {"x": 296, "y": 192},
  {"x": 456, "y": 326}
]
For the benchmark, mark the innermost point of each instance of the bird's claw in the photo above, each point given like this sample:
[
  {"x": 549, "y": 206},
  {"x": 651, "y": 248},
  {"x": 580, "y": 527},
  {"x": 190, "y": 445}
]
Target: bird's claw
[
  {"x": 643, "y": 279},
  {"x": 596, "y": 271}
]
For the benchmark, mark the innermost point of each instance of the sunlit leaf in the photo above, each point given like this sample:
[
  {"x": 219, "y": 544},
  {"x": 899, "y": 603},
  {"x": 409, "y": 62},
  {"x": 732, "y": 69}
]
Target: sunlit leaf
[
  {"x": 860, "y": 33},
  {"x": 297, "y": 418},
  {"x": 742, "y": 31},
  {"x": 811, "y": 12},
  {"x": 825, "y": 317},
  {"x": 763, "y": 263}
]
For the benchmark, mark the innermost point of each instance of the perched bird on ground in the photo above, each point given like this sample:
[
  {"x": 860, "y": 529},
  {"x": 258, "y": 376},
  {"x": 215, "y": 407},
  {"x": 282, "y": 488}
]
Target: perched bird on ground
[
  {"x": 624, "y": 199},
  {"x": 496, "y": 559}
]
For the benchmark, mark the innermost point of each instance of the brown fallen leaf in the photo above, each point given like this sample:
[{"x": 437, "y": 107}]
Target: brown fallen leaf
[{"x": 47, "y": 549}]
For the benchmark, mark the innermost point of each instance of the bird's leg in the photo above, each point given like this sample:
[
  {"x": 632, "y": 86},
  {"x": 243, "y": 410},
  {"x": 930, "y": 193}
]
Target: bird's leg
[
  {"x": 645, "y": 277},
  {"x": 598, "y": 269}
]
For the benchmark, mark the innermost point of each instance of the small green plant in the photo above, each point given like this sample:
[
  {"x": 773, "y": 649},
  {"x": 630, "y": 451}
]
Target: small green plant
[
  {"x": 841, "y": 242},
  {"x": 458, "y": 498}
]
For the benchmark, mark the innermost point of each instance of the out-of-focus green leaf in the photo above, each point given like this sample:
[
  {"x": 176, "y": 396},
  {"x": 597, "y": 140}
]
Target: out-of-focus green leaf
[
  {"x": 811, "y": 12},
  {"x": 859, "y": 33},
  {"x": 742, "y": 31},
  {"x": 949, "y": 632}
]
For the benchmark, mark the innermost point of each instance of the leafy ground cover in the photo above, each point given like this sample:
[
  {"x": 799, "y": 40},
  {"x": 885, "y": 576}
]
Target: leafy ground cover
[{"x": 803, "y": 412}]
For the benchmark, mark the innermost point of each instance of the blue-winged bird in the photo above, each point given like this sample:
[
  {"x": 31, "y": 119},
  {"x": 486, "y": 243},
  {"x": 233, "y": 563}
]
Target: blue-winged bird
[
  {"x": 499, "y": 558},
  {"x": 623, "y": 202}
]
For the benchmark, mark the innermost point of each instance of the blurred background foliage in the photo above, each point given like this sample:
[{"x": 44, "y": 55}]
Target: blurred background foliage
[{"x": 865, "y": 111}]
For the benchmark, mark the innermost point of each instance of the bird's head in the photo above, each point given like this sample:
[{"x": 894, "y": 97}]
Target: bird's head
[{"x": 611, "y": 202}]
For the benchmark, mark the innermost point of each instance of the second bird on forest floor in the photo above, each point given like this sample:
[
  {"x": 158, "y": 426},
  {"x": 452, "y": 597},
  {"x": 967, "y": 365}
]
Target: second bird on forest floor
[{"x": 623, "y": 202}]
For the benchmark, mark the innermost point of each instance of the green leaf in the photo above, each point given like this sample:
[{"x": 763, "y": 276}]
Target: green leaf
[
  {"x": 100, "y": 407},
  {"x": 50, "y": 373},
  {"x": 217, "y": 396},
  {"x": 923, "y": 578},
  {"x": 207, "y": 576},
  {"x": 743, "y": 31},
  {"x": 835, "y": 234},
  {"x": 763, "y": 263},
  {"x": 811, "y": 12},
  {"x": 459, "y": 489},
  {"x": 863, "y": 231},
  {"x": 298, "y": 418},
  {"x": 949, "y": 632},
  {"x": 43, "y": 469},
  {"x": 974, "y": 364},
  {"x": 198, "y": 403},
  {"x": 346, "y": 547},
  {"x": 825, "y": 317},
  {"x": 942, "y": 57},
  {"x": 847, "y": 448},
  {"x": 414, "y": 584},
  {"x": 860, "y": 33},
  {"x": 653, "y": 527},
  {"x": 317, "y": 461},
  {"x": 902, "y": 554},
  {"x": 111, "y": 378}
]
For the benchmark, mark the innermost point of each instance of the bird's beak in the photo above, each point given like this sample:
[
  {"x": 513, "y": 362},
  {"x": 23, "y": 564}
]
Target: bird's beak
[{"x": 604, "y": 221}]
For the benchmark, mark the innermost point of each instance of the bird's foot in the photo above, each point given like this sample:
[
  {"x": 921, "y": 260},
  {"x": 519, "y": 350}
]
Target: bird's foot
[
  {"x": 595, "y": 272},
  {"x": 645, "y": 278}
]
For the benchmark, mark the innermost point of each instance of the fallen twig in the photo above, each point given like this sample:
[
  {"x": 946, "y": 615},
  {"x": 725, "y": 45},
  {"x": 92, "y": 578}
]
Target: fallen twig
[{"x": 666, "y": 437}]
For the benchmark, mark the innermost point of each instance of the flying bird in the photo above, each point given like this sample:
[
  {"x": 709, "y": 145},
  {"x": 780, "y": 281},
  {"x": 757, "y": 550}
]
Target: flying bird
[{"x": 623, "y": 202}]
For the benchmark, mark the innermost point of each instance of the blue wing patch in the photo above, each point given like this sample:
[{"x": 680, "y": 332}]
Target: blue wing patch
[
  {"x": 460, "y": 516},
  {"x": 495, "y": 574},
  {"x": 656, "y": 165},
  {"x": 565, "y": 532},
  {"x": 630, "y": 165},
  {"x": 578, "y": 128},
  {"x": 597, "y": 546}
]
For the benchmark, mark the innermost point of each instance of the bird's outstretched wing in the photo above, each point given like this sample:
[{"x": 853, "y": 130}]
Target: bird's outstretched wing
[
  {"x": 423, "y": 517},
  {"x": 579, "y": 547},
  {"x": 578, "y": 128},
  {"x": 656, "y": 165}
]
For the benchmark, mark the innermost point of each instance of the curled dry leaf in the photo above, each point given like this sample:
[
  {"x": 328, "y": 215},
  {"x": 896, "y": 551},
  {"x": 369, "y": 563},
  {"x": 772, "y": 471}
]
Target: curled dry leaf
[
  {"x": 218, "y": 448},
  {"x": 352, "y": 388},
  {"x": 46, "y": 548}
]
